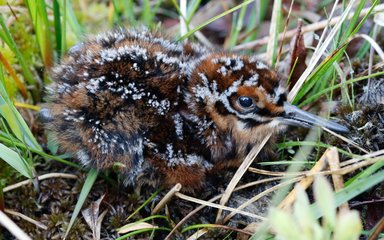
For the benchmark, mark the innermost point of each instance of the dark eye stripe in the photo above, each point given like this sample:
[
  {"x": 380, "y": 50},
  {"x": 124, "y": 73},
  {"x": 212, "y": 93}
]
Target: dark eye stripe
[
  {"x": 263, "y": 112},
  {"x": 250, "y": 123},
  {"x": 282, "y": 99}
]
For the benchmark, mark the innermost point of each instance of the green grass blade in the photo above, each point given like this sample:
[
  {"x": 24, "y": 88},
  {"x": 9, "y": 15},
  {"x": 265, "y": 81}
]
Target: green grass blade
[
  {"x": 126, "y": 236},
  {"x": 307, "y": 143},
  {"x": 144, "y": 204},
  {"x": 57, "y": 25},
  {"x": 15, "y": 160},
  {"x": 38, "y": 12},
  {"x": 129, "y": 12},
  {"x": 318, "y": 94},
  {"x": 115, "y": 18},
  {"x": 148, "y": 12},
  {"x": 71, "y": 18},
  {"x": 353, "y": 21},
  {"x": 14, "y": 119},
  {"x": 191, "y": 32},
  {"x": 193, "y": 5},
  {"x": 89, "y": 181},
  {"x": 319, "y": 73},
  {"x": 237, "y": 27},
  {"x": 364, "y": 18},
  {"x": 367, "y": 172},
  {"x": 352, "y": 190},
  {"x": 326, "y": 66},
  {"x": 12, "y": 141},
  {"x": 198, "y": 226}
]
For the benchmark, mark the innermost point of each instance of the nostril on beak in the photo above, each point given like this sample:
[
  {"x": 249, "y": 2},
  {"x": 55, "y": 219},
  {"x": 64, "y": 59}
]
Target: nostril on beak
[{"x": 297, "y": 117}]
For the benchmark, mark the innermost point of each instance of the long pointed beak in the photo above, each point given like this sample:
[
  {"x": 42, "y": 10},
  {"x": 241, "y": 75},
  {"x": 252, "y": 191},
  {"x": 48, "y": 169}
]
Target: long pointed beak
[{"x": 297, "y": 117}]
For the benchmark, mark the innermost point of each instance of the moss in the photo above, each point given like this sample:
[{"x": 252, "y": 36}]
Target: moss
[{"x": 22, "y": 32}]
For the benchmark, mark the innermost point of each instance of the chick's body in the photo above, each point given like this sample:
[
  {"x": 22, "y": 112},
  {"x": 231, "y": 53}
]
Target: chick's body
[{"x": 166, "y": 112}]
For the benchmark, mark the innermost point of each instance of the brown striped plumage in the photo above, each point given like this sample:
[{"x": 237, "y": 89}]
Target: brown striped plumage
[{"x": 166, "y": 112}]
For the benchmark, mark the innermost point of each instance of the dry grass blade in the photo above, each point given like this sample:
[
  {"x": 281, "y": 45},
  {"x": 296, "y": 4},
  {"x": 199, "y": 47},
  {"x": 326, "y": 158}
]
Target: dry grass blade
[
  {"x": 362, "y": 158},
  {"x": 198, "y": 234},
  {"x": 347, "y": 166},
  {"x": 284, "y": 32},
  {"x": 42, "y": 177},
  {"x": 203, "y": 231},
  {"x": 271, "y": 46},
  {"x": 166, "y": 198},
  {"x": 306, "y": 182},
  {"x": 373, "y": 43},
  {"x": 196, "y": 210},
  {"x": 338, "y": 182},
  {"x": 346, "y": 140},
  {"x": 240, "y": 172},
  {"x": 26, "y": 218},
  {"x": 183, "y": 11},
  {"x": 320, "y": 50},
  {"x": 309, "y": 28},
  {"x": 202, "y": 39},
  {"x": 272, "y": 173},
  {"x": 182, "y": 221},
  {"x": 136, "y": 226},
  {"x": 12, "y": 227},
  {"x": 12, "y": 73},
  {"x": 353, "y": 167},
  {"x": 214, "y": 205},
  {"x": 260, "y": 195},
  {"x": 93, "y": 218},
  {"x": 252, "y": 227},
  {"x": 297, "y": 63}
]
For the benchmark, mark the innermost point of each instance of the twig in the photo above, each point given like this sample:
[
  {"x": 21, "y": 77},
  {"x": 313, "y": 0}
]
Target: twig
[
  {"x": 42, "y": 177},
  {"x": 379, "y": 229},
  {"x": 12, "y": 227},
  {"x": 26, "y": 218},
  {"x": 359, "y": 203}
]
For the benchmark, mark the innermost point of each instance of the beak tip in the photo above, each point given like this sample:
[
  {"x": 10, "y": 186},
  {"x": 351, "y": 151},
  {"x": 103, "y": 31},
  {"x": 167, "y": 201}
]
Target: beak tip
[{"x": 340, "y": 128}]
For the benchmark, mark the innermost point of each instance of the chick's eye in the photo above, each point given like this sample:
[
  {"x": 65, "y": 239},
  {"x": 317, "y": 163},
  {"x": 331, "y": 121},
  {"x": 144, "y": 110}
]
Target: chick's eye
[{"x": 245, "y": 102}]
